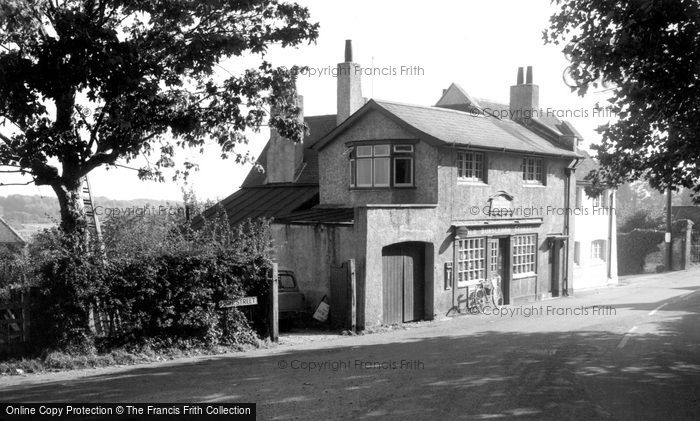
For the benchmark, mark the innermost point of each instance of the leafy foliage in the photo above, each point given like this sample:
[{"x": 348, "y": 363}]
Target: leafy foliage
[
  {"x": 86, "y": 82},
  {"x": 642, "y": 220},
  {"x": 633, "y": 248},
  {"x": 647, "y": 53},
  {"x": 157, "y": 283}
]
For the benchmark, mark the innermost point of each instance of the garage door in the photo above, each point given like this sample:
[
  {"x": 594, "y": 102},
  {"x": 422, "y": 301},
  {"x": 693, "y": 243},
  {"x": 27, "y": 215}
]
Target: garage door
[{"x": 403, "y": 282}]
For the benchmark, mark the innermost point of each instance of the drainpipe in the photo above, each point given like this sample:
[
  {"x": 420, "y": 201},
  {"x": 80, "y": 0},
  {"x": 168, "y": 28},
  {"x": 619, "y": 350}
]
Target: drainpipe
[
  {"x": 571, "y": 169},
  {"x": 455, "y": 307},
  {"x": 611, "y": 206}
]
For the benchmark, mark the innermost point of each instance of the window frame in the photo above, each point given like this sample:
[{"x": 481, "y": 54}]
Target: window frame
[
  {"x": 601, "y": 246},
  {"x": 515, "y": 247},
  {"x": 463, "y": 270},
  {"x": 399, "y": 150},
  {"x": 531, "y": 162},
  {"x": 464, "y": 165}
]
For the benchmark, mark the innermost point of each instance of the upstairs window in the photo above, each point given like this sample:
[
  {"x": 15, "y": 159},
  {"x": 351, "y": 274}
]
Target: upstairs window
[
  {"x": 470, "y": 166},
  {"x": 599, "y": 201},
  {"x": 533, "y": 170},
  {"x": 381, "y": 166}
]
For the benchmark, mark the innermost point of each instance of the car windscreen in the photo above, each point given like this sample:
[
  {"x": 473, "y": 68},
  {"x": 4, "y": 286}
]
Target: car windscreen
[{"x": 286, "y": 281}]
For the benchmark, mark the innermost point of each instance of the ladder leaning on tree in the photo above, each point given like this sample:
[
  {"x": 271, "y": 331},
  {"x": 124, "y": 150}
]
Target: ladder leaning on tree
[
  {"x": 101, "y": 323},
  {"x": 93, "y": 224}
]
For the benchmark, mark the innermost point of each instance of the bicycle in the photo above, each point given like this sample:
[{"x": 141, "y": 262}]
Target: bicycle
[{"x": 488, "y": 292}]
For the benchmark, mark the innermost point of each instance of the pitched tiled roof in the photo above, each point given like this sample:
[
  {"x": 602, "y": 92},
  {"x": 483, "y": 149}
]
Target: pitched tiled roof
[
  {"x": 584, "y": 167},
  {"x": 8, "y": 235},
  {"x": 319, "y": 126},
  {"x": 266, "y": 201},
  {"x": 462, "y": 128}
]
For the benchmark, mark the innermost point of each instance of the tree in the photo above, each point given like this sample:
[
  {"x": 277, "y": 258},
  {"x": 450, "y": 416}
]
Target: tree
[
  {"x": 647, "y": 52},
  {"x": 84, "y": 83}
]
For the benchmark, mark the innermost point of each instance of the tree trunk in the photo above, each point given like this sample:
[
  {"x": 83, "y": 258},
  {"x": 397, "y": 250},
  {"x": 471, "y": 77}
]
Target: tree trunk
[{"x": 71, "y": 204}]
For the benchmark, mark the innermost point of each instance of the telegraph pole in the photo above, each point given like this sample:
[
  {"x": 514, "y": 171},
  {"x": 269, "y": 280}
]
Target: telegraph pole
[{"x": 667, "y": 238}]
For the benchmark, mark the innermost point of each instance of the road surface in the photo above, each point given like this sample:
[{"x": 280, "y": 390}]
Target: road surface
[{"x": 625, "y": 353}]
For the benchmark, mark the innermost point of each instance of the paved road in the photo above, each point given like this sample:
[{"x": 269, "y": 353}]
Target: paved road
[{"x": 638, "y": 359}]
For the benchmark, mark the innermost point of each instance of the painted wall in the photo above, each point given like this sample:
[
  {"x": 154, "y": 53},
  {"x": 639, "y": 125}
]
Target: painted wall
[
  {"x": 378, "y": 226},
  {"x": 595, "y": 223},
  {"x": 334, "y": 167},
  {"x": 310, "y": 250},
  {"x": 469, "y": 201},
  {"x": 381, "y": 226}
]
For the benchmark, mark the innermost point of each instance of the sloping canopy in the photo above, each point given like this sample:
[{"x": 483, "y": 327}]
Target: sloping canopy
[{"x": 268, "y": 201}]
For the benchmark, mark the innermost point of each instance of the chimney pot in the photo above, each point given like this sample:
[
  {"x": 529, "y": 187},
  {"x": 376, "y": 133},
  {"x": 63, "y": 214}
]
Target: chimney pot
[
  {"x": 348, "y": 51},
  {"x": 520, "y": 76},
  {"x": 528, "y": 77}
]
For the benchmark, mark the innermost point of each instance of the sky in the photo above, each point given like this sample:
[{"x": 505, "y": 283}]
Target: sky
[{"x": 478, "y": 45}]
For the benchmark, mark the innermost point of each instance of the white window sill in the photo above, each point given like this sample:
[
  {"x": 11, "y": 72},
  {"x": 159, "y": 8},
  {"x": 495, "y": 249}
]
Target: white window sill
[
  {"x": 471, "y": 183},
  {"x": 524, "y": 275},
  {"x": 464, "y": 284},
  {"x": 534, "y": 185}
]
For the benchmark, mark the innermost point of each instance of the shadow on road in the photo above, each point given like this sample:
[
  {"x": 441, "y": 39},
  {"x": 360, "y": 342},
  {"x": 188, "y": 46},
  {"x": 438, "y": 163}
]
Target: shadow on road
[{"x": 483, "y": 375}]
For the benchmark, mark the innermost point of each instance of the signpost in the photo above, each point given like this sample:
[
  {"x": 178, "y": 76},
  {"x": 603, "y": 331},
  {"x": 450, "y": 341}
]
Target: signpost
[
  {"x": 274, "y": 305},
  {"x": 243, "y": 301}
]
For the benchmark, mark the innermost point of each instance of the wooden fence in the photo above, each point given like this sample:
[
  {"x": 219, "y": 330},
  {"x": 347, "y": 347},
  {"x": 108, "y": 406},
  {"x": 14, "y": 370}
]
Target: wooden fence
[{"x": 14, "y": 324}]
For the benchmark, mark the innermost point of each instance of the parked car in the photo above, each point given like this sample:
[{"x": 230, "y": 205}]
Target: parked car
[{"x": 292, "y": 303}]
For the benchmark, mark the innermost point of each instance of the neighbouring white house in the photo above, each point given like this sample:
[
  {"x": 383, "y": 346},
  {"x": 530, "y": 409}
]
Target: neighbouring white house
[{"x": 595, "y": 239}]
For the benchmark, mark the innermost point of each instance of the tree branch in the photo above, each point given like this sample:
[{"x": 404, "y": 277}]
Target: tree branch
[{"x": 18, "y": 184}]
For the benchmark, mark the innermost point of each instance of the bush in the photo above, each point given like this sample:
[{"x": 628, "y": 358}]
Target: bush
[
  {"x": 633, "y": 248},
  {"x": 157, "y": 281},
  {"x": 641, "y": 220}
]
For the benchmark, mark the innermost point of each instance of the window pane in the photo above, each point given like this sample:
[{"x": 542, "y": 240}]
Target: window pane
[
  {"x": 364, "y": 172},
  {"x": 403, "y": 173},
  {"x": 381, "y": 171},
  {"x": 352, "y": 172},
  {"x": 364, "y": 151},
  {"x": 403, "y": 148},
  {"x": 381, "y": 150}
]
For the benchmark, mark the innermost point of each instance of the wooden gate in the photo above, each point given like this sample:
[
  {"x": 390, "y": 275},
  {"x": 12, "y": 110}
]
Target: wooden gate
[
  {"x": 343, "y": 301},
  {"x": 403, "y": 282}
]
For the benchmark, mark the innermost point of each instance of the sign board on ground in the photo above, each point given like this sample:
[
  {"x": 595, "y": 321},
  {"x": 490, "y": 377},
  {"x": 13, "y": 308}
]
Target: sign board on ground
[
  {"x": 243, "y": 301},
  {"x": 321, "y": 313}
]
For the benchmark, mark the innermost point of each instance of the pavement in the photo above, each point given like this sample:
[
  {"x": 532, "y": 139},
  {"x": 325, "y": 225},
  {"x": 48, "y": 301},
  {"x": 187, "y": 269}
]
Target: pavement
[{"x": 630, "y": 352}]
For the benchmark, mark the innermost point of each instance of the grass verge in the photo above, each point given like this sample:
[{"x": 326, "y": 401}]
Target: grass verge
[{"x": 55, "y": 361}]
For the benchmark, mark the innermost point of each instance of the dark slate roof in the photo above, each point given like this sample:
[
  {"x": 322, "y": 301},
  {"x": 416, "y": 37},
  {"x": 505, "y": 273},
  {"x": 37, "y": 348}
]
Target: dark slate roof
[
  {"x": 319, "y": 126},
  {"x": 587, "y": 165},
  {"x": 462, "y": 128},
  {"x": 320, "y": 215},
  {"x": 8, "y": 235},
  {"x": 550, "y": 121},
  {"x": 266, "y": 201}
]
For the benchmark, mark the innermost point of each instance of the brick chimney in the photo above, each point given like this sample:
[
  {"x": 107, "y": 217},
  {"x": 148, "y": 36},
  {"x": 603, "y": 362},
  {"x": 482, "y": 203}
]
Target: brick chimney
[
  {"x": 524, "y": 97},
  {"x": 284, "y": 158},
  {"x": 349, "y": 86}
]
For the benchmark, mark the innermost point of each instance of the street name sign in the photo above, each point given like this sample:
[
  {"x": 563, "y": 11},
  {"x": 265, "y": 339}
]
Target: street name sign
[{"x": 243, "y": 301}]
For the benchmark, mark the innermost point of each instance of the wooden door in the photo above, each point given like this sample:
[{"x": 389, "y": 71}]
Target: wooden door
[{"x": 403, "y": 283}]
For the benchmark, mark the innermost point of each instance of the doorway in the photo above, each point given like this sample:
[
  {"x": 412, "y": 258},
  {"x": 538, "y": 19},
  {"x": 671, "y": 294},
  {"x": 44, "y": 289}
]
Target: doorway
[
  {"x": 499, "y": 263},
  {"x": 556, "y": 258},
  {"x": 403, "y": 282}
]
